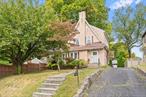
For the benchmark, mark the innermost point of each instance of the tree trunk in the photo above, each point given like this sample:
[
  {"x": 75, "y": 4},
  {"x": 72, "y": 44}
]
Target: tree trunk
[
  {"x": 18, "y": 65},
  {"x": 58, "y": 65},
  {"x": 19, "y": 68},
  {"x": 129, "y": 53}
]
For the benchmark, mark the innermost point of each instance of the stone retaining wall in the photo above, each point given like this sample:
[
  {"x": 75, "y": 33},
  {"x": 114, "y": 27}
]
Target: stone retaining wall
[
  {"x": 141, "y": 71},
  {"x": 87, "y": 83}
]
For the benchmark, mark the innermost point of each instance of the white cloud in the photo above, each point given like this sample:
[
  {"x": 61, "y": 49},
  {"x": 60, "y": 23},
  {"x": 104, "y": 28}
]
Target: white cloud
[
  {"x": 123, "y": 3},
  {"x": 137, "y": 1}
]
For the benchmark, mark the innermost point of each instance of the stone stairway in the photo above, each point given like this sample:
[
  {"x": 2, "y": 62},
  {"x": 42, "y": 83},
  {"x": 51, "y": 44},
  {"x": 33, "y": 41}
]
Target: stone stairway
[{"x": 50, "y": 85}]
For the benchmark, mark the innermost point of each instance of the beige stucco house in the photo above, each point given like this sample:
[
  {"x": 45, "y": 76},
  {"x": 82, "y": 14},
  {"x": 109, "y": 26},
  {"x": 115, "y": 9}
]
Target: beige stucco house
[{"x": 88, "y": 43}]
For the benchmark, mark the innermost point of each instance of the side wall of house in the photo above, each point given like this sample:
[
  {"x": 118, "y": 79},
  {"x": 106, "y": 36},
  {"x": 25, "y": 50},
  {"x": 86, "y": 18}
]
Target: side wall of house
[
  {"x": 103, "y": 56},
  {"x": 83, "y": 55}
]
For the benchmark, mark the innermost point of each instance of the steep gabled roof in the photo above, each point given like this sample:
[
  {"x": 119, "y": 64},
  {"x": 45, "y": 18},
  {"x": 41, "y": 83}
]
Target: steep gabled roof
[{"x": 99, "y": 33}]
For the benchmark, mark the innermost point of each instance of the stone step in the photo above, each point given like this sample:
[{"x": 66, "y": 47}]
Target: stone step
[
  {"x": 50, "y": 85},
  {"x": 56, "y": 78},
  {"x": 38, "y": 94},
  {"x": 55, "y": 81},
  {"x": 47, "y": 90}
]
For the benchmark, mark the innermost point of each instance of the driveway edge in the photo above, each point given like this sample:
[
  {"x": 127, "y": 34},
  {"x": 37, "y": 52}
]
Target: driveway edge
[
  {"x": 141, "y": 71},
  {"x": 87, "y": 83}
]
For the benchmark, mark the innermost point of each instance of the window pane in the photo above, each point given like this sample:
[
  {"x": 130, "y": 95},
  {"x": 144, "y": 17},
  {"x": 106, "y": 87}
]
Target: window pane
[{"x": 94, "y": 53}]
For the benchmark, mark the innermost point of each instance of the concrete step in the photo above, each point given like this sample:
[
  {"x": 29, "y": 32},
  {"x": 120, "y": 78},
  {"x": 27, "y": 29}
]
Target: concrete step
[
  {"x": 47, "y": 90},
  {"x": 38, "y": 94},
  {"x": 56, "y": 77},
  {"x": 55, "y": 81},
  {"x": 50, "y": 85}
]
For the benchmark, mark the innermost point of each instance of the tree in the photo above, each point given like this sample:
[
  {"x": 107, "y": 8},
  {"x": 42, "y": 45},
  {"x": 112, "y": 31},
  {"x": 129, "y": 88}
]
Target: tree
[
  {"x": 62, "y": 33},
  {"x": 24, "y": 30},
  {"x": 120, "y": 52},
  {"x": 128, "y": 25},
  {"x": 97, "y": 13}
]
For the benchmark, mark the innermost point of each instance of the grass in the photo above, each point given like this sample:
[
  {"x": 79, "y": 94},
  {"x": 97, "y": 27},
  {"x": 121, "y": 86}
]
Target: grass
[
  {"x": 70, "y": 87},
  {"x": 142, "y": 67},
  {"x": 24, "y": 85}
]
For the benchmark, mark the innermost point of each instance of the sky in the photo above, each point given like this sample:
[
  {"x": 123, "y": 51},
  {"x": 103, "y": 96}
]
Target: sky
[{"x": 116, "y": 4}]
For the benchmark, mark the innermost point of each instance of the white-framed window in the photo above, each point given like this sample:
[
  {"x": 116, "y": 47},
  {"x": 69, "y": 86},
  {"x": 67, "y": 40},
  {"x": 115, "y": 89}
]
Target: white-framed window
[
  {"x": 76, "y": 40},
  {"x": 74, "y": 55},
  {"x": 89, "y": 39}
]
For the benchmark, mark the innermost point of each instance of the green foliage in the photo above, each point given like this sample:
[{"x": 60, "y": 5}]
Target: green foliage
[
  {"x": 79, "y": 62},
  {"x": 52, "y": 66},
  {"x": 120, "y": 53},
  {"x": 120, "y": 56},
  {"x": 24, "y": 29},
  {"x": 4, "y": 62},
  {"x": 69, "y": 64},
  {"x": 97, "y": 13},
  {"x": 129, "y": 24}
]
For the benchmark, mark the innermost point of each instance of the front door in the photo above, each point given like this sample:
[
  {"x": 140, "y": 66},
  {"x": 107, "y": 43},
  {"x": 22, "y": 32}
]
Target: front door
[{"x": 94, "y": 57}]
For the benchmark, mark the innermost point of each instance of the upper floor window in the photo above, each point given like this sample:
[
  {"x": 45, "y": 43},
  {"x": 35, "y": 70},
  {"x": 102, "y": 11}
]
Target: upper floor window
[
  {"x": 89, "y": 39},
  {"x": 76, "y": 40}
]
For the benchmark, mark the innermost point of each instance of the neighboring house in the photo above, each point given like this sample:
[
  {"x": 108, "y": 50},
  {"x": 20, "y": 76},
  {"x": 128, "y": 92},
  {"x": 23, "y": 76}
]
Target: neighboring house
[
  {"x": 88, "y": 43},
  {"x": 144, "y": 46}
]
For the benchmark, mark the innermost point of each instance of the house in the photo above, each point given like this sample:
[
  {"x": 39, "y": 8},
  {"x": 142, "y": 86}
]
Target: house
[
  {"x": 88, "y": 43},
  {"x": 144, "y": 46}
]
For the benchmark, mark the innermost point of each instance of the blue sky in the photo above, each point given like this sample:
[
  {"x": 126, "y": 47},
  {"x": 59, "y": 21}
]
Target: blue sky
[{"x": 115, "y": 4}]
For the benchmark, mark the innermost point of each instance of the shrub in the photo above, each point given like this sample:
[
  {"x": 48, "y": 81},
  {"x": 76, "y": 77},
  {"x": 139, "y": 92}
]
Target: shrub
[
  {"x": 52, "y": 66},
  {"x": 79, "y": 62},
  {"x": 69, "y": 63},
  {"x": 68, "y": 60}
]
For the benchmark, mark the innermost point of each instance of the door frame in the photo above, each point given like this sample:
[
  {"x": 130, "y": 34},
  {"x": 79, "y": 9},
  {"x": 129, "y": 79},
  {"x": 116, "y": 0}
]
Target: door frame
[{"x": 94, "y": 58}]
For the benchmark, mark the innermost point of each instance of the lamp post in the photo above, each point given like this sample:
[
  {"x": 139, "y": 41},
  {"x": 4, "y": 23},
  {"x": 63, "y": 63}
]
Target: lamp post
[{"x": 77, "y": 74}]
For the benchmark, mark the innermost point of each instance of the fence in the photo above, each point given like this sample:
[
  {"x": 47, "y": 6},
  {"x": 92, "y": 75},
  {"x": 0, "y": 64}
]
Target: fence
[
  {"x": 7, "y": 70},
  {"x": 26, "y": 68}
]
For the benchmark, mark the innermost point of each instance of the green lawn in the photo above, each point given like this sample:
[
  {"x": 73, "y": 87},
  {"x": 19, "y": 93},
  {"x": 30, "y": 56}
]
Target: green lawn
[
  {"x": 23, "y": 85},
  {"x": 70, "y": 87},
  {"x": 142, "y": 67}
]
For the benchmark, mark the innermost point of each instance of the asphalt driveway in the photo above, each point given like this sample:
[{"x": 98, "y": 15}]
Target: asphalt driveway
[{"x": 120, "y": 82}]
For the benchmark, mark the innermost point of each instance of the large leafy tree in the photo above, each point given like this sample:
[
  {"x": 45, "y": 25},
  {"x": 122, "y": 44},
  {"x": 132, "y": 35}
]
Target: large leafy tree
[
  {"x": 24, "y": 30},
  {"x": 128, "y": 25},
  {"x": 97, "y": 13}
]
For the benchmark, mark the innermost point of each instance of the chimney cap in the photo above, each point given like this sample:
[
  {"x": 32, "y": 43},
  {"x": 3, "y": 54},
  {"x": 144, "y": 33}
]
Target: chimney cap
[{"x": 82, "y": 15}]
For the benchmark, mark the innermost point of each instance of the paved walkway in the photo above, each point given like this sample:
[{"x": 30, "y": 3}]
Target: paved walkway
[{"x": 119, "y": 82}]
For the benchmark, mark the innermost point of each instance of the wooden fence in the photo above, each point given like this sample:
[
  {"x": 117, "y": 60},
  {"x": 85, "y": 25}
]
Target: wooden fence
[
  {"x": 7, "y": 70},
  {"x": 26, "y": 68}
]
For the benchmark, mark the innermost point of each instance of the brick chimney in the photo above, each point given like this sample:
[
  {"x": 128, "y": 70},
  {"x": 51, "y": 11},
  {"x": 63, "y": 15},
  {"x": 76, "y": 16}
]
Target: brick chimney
[
  {"x": 82, "y": 15},
  {"x": 82, "y": 27}
]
